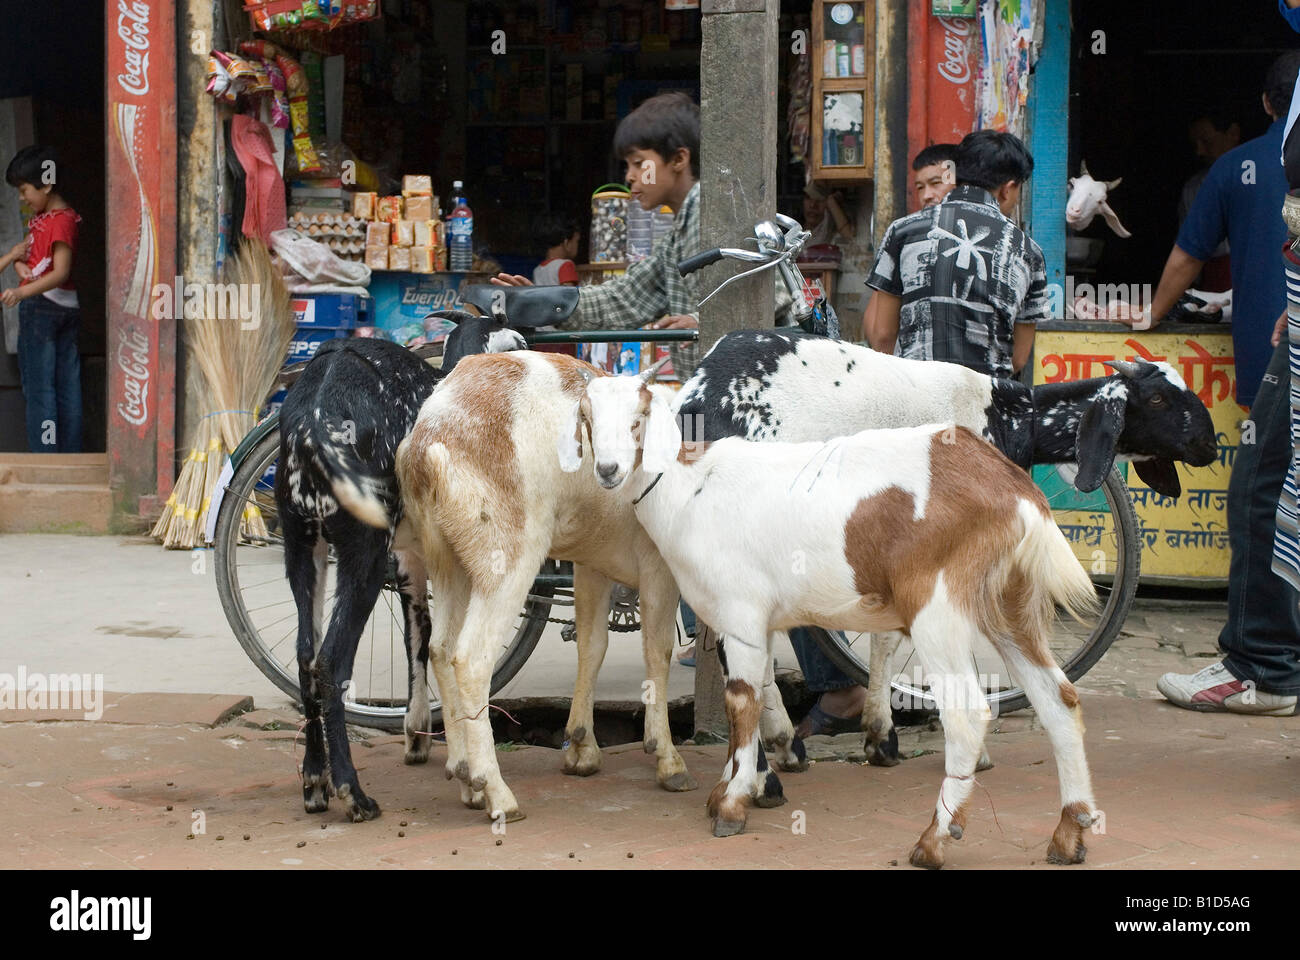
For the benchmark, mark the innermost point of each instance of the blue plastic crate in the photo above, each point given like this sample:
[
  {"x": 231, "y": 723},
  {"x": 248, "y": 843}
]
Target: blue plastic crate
[{"x": 342, "y": 311}]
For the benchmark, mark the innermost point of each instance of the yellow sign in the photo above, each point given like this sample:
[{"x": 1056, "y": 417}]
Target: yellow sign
[{"x": 1185, "y": 538}]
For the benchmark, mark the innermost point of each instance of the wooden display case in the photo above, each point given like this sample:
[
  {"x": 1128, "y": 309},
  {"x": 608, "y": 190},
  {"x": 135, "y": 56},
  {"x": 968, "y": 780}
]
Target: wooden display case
[{"x": 843, "y": 71}]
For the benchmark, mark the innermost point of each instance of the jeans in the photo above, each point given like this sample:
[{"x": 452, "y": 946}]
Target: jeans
[
  {"x": 51, "y": 372},
  {"x": 819, "y": 673},
  {"x": 1261, "y": 640}
]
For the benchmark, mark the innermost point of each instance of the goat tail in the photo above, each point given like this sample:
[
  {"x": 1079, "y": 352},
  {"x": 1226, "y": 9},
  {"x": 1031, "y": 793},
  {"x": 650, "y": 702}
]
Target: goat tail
[
  {"x": 1051, "y": 572},
  {"x": 368, "y": 498},
  {"x": 422, "y": 470}
]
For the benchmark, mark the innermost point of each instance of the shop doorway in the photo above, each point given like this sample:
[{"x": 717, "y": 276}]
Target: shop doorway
[
  {"x": 1140, "y": 75},
  {"x": 52, "y": 92}
]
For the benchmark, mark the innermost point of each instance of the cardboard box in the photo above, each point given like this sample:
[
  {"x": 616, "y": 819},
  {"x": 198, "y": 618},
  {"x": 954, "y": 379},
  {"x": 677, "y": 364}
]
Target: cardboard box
[
  {"x": 377, "y": 257},
  {"x": 378, "y": 234},
  {"x": 403, "y": 233},
  {"x": 419, "y": 208},
  {"x": 389, "y": 208}
]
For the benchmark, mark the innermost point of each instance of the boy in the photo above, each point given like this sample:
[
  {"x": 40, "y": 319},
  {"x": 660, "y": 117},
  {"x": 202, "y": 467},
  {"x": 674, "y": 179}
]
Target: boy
[
  {"x": 48, "y": 311},
  {"x": 659, "y": 142},
  {"x": 559, "y": 237}
]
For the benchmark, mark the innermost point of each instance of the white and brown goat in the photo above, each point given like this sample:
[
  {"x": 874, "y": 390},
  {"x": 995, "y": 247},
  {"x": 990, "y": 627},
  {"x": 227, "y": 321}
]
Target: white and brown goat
[
  {"x": 488, "y": 503},
  {"x": 925, "y": 529}
]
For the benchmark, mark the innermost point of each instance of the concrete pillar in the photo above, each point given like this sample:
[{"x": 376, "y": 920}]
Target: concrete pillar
[
  {"x": 891, "y": 166},
  {"x": 738, "y": 144}
]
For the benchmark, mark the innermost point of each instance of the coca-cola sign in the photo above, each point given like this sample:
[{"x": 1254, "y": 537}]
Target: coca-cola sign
[
  {"x": 133, "y": 362},
  {"x": 955, "y": 66},
  {"x": 133, "y": 29}
]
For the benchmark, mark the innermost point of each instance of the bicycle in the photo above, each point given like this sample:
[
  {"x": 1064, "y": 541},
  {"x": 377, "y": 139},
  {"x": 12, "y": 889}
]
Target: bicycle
[{"x": 246, "y": 486}]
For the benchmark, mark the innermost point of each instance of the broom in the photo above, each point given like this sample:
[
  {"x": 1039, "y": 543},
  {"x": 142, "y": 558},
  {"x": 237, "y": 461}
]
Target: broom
[{"x": 238, "y": 368}]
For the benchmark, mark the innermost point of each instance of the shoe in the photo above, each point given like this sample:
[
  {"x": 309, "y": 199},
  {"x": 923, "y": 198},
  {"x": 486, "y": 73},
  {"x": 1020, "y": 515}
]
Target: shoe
[
  {"x": 687, "y": 657},
  {"x": 1214, "y": 688}
]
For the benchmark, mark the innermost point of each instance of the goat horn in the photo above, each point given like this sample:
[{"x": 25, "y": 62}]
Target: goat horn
[
  {"x": 1083, "y": 168},
  {"x": 649, "y": 375},
  {"x": 1112, "y": 184},
  {"x": 586, "y": 376},
  {"x": 1125, "y": 367}
]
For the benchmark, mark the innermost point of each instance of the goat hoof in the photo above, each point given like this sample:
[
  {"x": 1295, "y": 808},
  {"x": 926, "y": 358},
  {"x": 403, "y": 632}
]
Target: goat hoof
[
  {"x": 796, "y": 761},
  {"x": 510, "y": 816},
  {"x": 926, "y": 859},
  {"x": 582, "y": 768},
  {"x": 727, "y": 828},
  {"x": 679, "y": 782},
  {"x": 954, "y": 831},
  {"x": 477, "y": 783},
  {"x": 357, "y": 805},
  {"x": 650, "y": 746},
  {"x": 1061, "y": 858},
  {"x": 415, "y": 756},
  {"x": 772, "y": 795},
  {"x": 985, "y": 763},
  {"x": 884, "y": 753},
  {"x": 315, "y": 800},
  {"x": 475, "y": 801}
]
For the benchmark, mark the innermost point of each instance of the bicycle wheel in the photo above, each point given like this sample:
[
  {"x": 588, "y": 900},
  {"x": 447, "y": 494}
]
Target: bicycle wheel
[
  {"x": 259, "y": 605},
  {"x": 1102, "y": 528}
]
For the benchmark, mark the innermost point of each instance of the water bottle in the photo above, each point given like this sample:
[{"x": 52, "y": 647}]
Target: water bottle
[{"x": 460, "y": 242}]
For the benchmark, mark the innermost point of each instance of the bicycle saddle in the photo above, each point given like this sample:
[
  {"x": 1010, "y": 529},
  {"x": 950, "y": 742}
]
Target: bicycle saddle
[{"x": 522, "y": 306}]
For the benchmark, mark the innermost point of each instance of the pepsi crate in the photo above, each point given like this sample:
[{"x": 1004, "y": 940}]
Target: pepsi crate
[
  {"x": 307, "y": 340},
  {"x": 340, "y": 311}
]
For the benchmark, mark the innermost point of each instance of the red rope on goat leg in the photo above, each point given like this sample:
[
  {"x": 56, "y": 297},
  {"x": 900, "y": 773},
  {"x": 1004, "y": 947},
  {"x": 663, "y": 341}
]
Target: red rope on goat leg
[
  {"x": 986, "y": 794},
  {"x": 443, "y": 731}
]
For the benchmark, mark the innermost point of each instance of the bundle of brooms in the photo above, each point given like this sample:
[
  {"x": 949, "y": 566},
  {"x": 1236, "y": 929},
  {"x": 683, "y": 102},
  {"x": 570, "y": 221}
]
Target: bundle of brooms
[{"x": 239, "y": 358}]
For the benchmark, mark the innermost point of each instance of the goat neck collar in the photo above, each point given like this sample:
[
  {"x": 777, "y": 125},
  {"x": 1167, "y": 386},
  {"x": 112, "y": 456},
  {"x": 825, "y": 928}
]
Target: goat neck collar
[{"x": 647, "y": 489}]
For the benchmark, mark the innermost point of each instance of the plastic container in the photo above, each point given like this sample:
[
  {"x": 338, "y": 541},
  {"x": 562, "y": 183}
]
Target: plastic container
[
  {"x": 640, "y": 232},
  {"x": 460, "y": 232},
  {"x": 609, "y": 212}
]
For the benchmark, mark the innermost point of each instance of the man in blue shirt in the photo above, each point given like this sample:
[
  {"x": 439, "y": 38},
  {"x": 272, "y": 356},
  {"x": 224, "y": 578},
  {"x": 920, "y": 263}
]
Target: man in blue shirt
[
  {"x": 1239, "y": 202},
  {"x": 1242, "y": 197}
]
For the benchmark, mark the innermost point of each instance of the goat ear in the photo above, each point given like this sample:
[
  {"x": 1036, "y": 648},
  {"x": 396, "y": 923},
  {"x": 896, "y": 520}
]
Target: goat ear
[
  {"x": 1112, "y": 219},
  {"x": 569, "y": 442},
  {"x": 1160, "y": 475},
  {"x": 1099, "y": 430},
  {"x": 663, "y": 438}
]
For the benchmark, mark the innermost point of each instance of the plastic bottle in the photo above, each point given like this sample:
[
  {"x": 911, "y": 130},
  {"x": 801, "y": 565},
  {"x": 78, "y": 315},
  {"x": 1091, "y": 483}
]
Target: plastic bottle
[{"x": 460, "y": 232}]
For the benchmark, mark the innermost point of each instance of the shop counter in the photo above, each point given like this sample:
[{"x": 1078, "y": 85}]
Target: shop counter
[{"x": 1184, "y": 541}]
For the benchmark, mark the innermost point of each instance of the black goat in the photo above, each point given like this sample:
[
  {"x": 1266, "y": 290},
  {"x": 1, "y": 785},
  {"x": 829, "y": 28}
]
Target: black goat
[{"x": 340, "y": 426}]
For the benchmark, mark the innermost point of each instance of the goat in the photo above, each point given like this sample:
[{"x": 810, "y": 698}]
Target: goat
[
  {"x": 790, "y": 385},
  {"x": 487, "y": 504},
  {"x": 927, "y": 529},
  {"x": 1088, "y": 198},
  {"x": 340, "y": 425}
]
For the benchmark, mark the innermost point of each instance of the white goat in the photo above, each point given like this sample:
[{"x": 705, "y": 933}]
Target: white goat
[
  {"x": 927, "y": 529},
  {"x": 487, "y": 500},
  {"x": 1088, "y": 198}
]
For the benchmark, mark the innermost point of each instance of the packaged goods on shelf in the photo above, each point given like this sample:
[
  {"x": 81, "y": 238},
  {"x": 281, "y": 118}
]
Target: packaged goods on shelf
[
  {"x": 390, "y": 209},
  {"x": 399, "y": 258},
  {"x": 422, "y": 259},
  {"x": 417, "y": 185},
  {"x": 403, "y": 233},
  {"x": 419, "y": 207},
  {"x": 377, "y": 257},
  {"x": 363, "y": 205},
  {"x": 378, "y": 233},
  {"x": 426, "y": 233}
]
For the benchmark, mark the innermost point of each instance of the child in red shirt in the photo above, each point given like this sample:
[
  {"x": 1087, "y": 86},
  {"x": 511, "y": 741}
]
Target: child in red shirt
[
  {"x": 559, "y": 237},
  {"x": 49, "y": 317}
]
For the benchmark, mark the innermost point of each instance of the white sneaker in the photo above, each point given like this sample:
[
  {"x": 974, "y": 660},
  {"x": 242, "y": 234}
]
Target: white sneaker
[{"x": 1215, "y": 689}]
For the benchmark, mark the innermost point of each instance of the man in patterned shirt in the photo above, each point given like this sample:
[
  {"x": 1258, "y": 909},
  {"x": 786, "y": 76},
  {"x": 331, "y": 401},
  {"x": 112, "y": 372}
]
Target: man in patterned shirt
[
  {"x": 959, "y": 281},
  {"x": 659, "y": 142}
]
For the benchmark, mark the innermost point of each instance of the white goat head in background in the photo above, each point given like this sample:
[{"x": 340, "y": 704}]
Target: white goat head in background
[{"x": 1088, "y": 198}]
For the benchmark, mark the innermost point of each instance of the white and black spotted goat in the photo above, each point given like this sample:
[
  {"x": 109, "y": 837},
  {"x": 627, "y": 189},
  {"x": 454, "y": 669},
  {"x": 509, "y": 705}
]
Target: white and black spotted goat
[
  {"x": 340, "y": 426},
  {"x": 789, "y": 385}
]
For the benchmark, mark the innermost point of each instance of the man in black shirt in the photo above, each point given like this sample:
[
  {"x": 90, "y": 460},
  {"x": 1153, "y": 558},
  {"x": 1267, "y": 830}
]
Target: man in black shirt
[{"x": 959, "y": 281}]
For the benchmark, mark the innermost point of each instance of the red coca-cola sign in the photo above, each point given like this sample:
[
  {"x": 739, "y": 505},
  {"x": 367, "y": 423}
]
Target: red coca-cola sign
[{"x": 140, "y": 79}]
